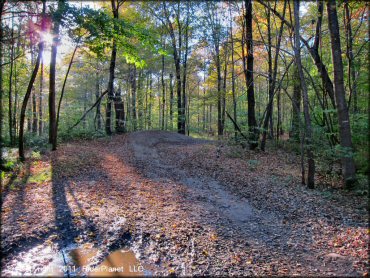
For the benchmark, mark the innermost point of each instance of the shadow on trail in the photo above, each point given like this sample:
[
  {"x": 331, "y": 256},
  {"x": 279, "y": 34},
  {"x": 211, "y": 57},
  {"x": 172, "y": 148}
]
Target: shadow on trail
[{"x": 17, "y": 209}]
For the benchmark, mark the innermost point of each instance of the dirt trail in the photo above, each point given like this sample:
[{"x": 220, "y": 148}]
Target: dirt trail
[
  {"x": 205, "y": 192},
  {"x": 182, "y": 205}
]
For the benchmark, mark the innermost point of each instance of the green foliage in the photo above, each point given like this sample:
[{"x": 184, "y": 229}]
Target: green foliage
[
  {"x": 35, "y": 155},
  {"x": 39, "y": 178},
  {"x": 80, "y": 134}
]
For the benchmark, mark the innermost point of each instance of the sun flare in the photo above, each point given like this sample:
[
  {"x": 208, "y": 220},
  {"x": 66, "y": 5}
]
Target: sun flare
[{"x": 47, "y": 37}]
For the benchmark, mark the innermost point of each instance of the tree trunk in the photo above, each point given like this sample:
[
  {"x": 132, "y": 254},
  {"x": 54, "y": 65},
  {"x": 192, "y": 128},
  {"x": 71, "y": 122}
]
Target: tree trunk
[
  {"x": 271, "y": 77},
  {"x": 185, "y": 60},
  {"x": 97, "y": 95},
  {"x": 119, "y": 108},
  {"x": 279, "y": 130},
  {"x": 150, "y": 101},
  {"x": 30, "y": 86},
  {"x": 10, "y": 115},
  {"x": 248, "y": 71},
  {"x": 118, "y": 102},
  {"x": 163, "y": 94},
  {"x": 233, "y": 77},
  {"x": 220, "y": 130},
  {"x": 140, "y": 103},
  {"x": 63, "y": 89},
  {"x": 171, "y": 101},
  {"x": 176, "y": 57},
  {"x": 52, "y": 74},
  {"x": 133, "y": 96},
  {"x": 34, "y": 113},
  {"x": 2, "y": 3},
  {"x": 348, "y": 165},
  {"x": 41, "y": 125},
  {"x": 297, "y": 55},
  {"x": 271, "y": 82},
  {"x": 15, "y": 106},
  {"x": 223, "y": 93},
  {"x": 296, "y": 102},
  {"x": 313, "y": 52},
  {"x": 351, "y": 68}
]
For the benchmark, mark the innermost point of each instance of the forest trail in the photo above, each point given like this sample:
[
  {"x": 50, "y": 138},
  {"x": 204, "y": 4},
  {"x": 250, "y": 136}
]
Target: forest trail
[{"x": 184, "y": 206}]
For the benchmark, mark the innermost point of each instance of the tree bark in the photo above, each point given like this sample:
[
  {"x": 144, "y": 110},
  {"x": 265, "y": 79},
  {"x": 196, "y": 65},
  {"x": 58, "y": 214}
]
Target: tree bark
[
  {"x": 2, "y": 3},
  {"x": 185, "y": 61},
  {"x": 351, "y": 67},
  {"x": 348, "y": 165},
  {"x": 119, "y": 108},
  {"x": 233, "y": 78},
  {"x": 41, "y": 124},
  {"x": 296, "y": 103},
  {"x": 133, "y": 96},
  {"x": 34, "y": 113},
  {"x": 163, "y": 94},
  {"x": 150, "y": 101},
  {"x": 248, "y": 71},
  {"x": 297, "y": 54},
  {"x": 10, "y": 115},
  {"x": 171, "y": 101},
  {"x": 97, "y": 95},
  {"x": 140, "y": 99},
  {"x": 52, "y": 74},
  {"x": 63, "y": 89},
  {"x": 176, "y": 57},
  {"x": 30, "y": 86}
]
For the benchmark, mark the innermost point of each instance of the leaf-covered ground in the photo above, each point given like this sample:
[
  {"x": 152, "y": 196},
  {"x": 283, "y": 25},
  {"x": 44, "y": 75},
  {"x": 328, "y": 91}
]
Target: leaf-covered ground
[{"x": 185, "y": 206}]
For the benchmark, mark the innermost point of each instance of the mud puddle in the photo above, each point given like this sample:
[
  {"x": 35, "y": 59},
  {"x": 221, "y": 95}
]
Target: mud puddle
[
  {"x": 72, "y": 261},
  {"x": 84, "y": 261}
]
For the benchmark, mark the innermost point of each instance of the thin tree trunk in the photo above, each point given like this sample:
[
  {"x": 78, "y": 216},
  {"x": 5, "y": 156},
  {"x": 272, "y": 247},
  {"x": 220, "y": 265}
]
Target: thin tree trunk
[
  {"x": 248, "y": 71},
  {"x": 34, "y": 113},
  {"x": 233, "y": 78},
  {"x": 171, "y": 101},
  {"x": 30, "y": 86},
  {"x": 351, "y": 68},
  {"x": 97, "y": 95},
  {"x": 118, "y": 102},
  {"x": 146, "y": 102},
  {"x": 163, "y": 93},
  {"x": 63, "y": 89},
  {"x": 220, "y": 130},
  {"x": 223, "y": 94},
  {"x": 279, "y": 130},
  {"x": 150, "y": 101},
  {"x": 2, "y": 3},
  {"x": 348, "y": 165},
  {"x": 41, "y": 126},
  {"x": 119, "y": 108},
  {"x": 296, "y": 102},
  {"x": 52, "y": 74},
  {"x": 15, "y": 106},
  {"x": 328, "y": 84},
  {"x": 84, "y": 121},
  {"x": 10, "y": 84},
  {"x": 133, "y": 96},
  {"x": 272, "y": 77},
  {"x": 308, "y": 133},
  {"x": 176, "y": 57},
  {"x": 185, "y": 60},
  {"x": 140, "y": 99}
]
